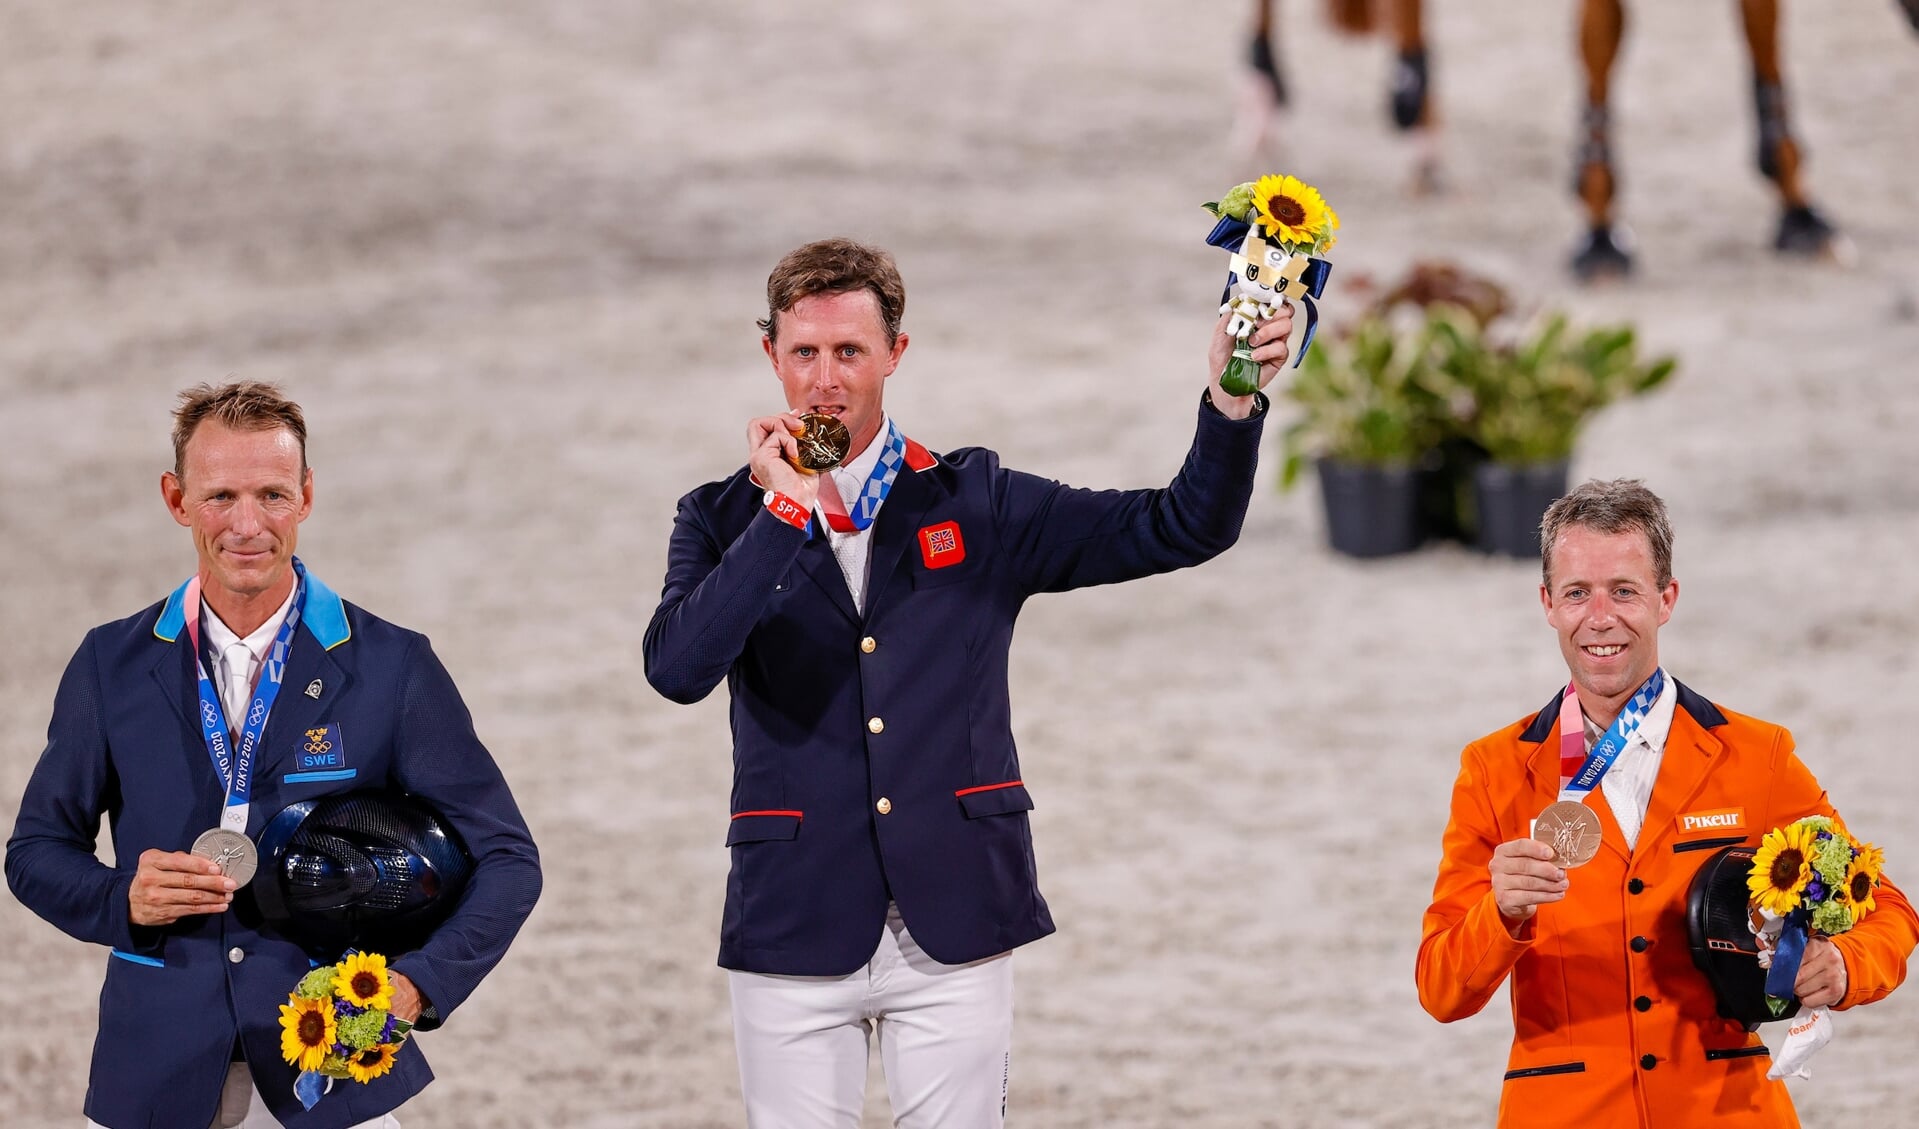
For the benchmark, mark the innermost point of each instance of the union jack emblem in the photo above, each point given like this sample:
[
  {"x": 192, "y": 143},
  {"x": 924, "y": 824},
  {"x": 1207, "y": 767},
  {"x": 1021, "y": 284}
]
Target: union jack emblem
[{"x": 942, "y": 546}]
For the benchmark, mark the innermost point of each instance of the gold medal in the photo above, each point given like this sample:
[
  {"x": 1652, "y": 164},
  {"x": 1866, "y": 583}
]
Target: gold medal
[
  {"x": 1571, "y": 829},
  {"x": 823, "y": 444}
]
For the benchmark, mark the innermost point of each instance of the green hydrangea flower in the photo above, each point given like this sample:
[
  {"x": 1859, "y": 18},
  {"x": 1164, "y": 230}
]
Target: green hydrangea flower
[
  {"x": 1832, "y": 860},
  {"x": 316, "y": 985},
  {"x": 1831, "y": 917},
  {"x": 1235, "y": 203},
  {"x": 334, "y": 1066},
  {"x": 362, "y": 1031}
]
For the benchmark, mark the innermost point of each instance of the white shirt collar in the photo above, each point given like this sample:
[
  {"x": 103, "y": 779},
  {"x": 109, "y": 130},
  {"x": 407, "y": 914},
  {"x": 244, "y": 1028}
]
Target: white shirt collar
[
  {"x": 851, "y": 475},
  {"x": 221, "y": 636},
  {"x": 1656, "y": 726}
]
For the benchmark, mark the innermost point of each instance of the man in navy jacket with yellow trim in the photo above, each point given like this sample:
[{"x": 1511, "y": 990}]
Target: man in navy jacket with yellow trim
[
  {"x": 189, "y": 1017},
  {"x": 882, "y": 865}
]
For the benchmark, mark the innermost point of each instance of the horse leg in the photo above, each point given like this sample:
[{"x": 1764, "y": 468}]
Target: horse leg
[
  {"x": 1410, "y": 106},
  {"x": 1802, "y": 231},
  {"x": 1264, "y": 87},
  {"x": 1411, "y": 100},
  {"x": 1602, "y": 26}
]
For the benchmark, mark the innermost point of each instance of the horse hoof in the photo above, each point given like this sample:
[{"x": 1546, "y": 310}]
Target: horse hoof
[
  {"x": 1804, "y": 233},
  {"x": 1409, "y": 88},
  {"x": 1604, "y": 254}
]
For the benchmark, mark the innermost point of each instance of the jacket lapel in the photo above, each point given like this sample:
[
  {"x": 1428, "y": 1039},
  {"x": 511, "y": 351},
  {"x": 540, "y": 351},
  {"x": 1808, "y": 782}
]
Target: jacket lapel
[
  {"x": 896, "y": 528},
  {"x": 1690, "y": 749},
  {"x": 817, "y": 560},
  {"x": 293, "y": 710},
  {"x": 1543, "y": 766},
  {"x": 177, "y": 679}
]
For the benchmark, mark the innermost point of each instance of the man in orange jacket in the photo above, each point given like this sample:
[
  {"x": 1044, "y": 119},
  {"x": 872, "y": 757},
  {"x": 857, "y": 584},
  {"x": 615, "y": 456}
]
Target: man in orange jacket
[{"x": 1613, "y": 1025}]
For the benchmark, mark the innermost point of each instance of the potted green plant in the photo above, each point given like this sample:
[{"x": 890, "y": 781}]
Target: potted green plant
[
  {"x": 1370, "y": 406},
  {"x": 1530, "y": 400}
]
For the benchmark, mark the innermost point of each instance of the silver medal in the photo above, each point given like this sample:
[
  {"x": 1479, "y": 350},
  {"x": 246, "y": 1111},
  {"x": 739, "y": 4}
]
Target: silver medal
[{"x": 232, "y": 851}]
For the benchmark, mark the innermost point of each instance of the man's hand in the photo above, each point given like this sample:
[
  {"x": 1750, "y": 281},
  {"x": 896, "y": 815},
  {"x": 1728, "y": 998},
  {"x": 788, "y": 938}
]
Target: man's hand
[
  {"x": 408, "y": 1003},
  {"x": 1524, "y": 878},
  {"x": 170, "y": 885},
  {"x": 1269, "y": 349},
  {"x": 1822, "y": 975},
  {"x": 770, "y": 442}
]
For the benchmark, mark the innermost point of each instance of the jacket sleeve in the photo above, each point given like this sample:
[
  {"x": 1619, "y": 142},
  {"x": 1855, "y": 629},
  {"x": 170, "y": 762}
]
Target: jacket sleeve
[
  {"x": 1876, "y": 948},
  {"x": 713, "y": 597},
  {"x": 51, "y": 866},
  {"x": 1465, "y": 950},
  {"x": 1066, "y": 538},
  {"x": 441, "y": 760}
]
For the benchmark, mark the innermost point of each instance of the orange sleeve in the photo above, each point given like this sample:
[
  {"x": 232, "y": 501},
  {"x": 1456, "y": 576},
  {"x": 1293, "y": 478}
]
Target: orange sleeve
[
  {"x": 1875, "y": 950},
  {"x": 1465, "y": 950}
]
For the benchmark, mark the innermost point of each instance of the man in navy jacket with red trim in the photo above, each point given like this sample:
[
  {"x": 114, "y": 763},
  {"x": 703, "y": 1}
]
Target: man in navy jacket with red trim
[
  {"x": 882, "y": 864},
  {"x": 189, "y": 1031}
]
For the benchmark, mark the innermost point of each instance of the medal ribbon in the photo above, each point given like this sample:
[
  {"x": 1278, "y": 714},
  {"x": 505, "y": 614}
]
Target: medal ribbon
[
  {"x": 878, "y": 485},
  {"x": 1580, "y": 771},
  {"x": 235, "y": 766}
]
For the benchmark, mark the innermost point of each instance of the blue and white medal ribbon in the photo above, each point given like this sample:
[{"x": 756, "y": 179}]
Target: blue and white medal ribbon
[
  {"x": 1580, "y": 771},
  {"x": 879, "y": 483},
  {"x": 235, "y": 766}
]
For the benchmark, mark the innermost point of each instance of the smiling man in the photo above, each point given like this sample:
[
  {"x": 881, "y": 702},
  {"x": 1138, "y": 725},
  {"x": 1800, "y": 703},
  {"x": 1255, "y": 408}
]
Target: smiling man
[
  {"x": 173, "y": 725},
  {"x": 882, "y": 868},
  {"x": 1614, "y": 1025}
]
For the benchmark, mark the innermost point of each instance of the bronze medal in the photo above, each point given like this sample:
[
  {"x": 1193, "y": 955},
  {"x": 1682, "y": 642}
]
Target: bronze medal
[
  {"x": 1571, "y": 829},
  {"x": 232, "y": 851},
  {"x": 824, "y": 443}
]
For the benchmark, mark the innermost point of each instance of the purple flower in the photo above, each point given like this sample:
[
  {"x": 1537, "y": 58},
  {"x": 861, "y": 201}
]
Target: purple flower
[{"x": 1815, "y": 891}]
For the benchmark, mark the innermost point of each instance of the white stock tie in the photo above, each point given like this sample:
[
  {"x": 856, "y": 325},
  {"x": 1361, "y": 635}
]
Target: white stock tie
[{"x": 239, "y": 660}]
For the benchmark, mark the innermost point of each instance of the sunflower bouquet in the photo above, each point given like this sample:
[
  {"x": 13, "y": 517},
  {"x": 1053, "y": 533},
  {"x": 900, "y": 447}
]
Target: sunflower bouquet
[
  {"x": 336, "y": 1025},
  {"x": 1277, "y": 227},
  {"x": 1809, "y": 879}
]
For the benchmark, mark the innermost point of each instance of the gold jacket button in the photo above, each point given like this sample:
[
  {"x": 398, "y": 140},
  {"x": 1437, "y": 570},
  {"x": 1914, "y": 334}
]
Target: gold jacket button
[
  {"x": 884, "y": 806},
  {"x": 875, "y": 725},
  {"x": 867, "y": 644}
]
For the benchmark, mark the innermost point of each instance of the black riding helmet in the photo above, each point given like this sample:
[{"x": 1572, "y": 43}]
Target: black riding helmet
[
  {"x": 1718, "y": 906},
  {"x": 369, "y": 869}
]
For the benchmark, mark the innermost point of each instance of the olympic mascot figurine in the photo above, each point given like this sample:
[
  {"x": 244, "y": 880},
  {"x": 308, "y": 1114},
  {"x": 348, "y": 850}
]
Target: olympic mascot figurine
[{"x": 1276, "y": 227}]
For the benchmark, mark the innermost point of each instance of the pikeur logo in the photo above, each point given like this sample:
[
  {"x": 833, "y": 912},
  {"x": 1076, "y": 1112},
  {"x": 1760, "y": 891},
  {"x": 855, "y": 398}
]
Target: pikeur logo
[{"x": 1732, "y": 818}]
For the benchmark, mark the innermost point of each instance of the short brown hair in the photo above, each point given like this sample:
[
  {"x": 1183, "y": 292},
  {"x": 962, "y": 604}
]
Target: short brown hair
[
  {"x": 1622, "y": 505},
  {"x": 835, "y": 266},
  {"x": 245, "y": 405}
]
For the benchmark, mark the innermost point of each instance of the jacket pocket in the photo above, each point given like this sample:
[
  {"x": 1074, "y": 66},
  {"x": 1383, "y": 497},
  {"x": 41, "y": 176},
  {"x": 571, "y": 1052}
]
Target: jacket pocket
[
  {"x": 758, "y": 826},
  {"x": 1542, "y": 1071},
  {"x": 994, "y": 799},
  {"x": 136, "y": 958},
  {"x": 1759, "y": 1051},
  {"x": 1708, "y": 844}
]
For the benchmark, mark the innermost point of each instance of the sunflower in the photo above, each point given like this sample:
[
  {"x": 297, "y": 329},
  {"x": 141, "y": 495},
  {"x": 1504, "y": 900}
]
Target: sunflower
[
  {"x": 362, "y": 981},
  {"x": 1862, "y": 878},
  {"x": 1292, "y": 211},
  {"x": 306, "y": 1031},
  {"x": 1781, "y": 868},
  {"x": 366, "y": 1065}
]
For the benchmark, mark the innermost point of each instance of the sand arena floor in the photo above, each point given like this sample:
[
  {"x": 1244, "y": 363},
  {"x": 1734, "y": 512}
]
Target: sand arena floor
[{"x": 509, "y": 256}]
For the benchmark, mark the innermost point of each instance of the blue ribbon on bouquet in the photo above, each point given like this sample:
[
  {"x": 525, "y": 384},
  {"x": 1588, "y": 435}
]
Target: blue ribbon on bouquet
[
  {"x": 1229, "y": 233},
  {"x": 1787, "y": 952}
]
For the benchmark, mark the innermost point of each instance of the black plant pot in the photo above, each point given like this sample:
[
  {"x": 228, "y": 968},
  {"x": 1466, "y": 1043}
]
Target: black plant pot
[
  {"x": 1446, "y": 507},
  {"x": 1511, "y": 500},
  {"x": 1371, "y": 511}
]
